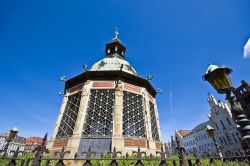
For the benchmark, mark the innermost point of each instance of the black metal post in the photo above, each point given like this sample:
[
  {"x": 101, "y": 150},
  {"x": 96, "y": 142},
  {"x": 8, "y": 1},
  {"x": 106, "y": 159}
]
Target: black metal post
[
  {"x": 219, "y": 153},
  {"x": 181, "y": 152},
  {"x": 138, "y": 154},
  {"x": 211, "y": 160},
  {"x": 40, "y": 149},
  {"x": 241, "y": 116}
]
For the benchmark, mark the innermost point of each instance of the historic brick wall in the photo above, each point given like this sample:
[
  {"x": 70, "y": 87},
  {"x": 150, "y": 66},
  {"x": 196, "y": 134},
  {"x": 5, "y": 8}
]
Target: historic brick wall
[
  {"x": 60, "y": 143},
  {"x": 132, "y": 88},
  {"x": 131, "y": 142},
  {"x": 106, "y": 84}
]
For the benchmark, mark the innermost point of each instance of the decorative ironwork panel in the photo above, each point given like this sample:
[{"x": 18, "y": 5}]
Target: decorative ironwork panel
[
  {"x": 69, "y": 117},
  {"x": 154, "y": 128},
  {"x": 133, "y": 115},
  {"x": 97, "y": 145},
  {"x": 98, "y": 121}
]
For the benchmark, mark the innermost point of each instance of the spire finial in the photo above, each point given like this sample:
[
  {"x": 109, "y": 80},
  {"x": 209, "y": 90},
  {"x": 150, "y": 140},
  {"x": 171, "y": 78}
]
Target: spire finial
[{"x": 116, "y": 32}]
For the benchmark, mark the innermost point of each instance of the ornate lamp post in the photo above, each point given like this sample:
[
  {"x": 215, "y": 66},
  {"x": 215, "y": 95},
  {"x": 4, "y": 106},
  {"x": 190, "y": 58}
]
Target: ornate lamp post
[
  {"x": 12, "y": 135},
  {"x": 211, "y": 133},
  {"x": 218, "y": 77}
]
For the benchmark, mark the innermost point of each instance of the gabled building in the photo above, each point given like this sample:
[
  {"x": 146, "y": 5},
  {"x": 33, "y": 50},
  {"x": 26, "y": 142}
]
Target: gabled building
[
  {"x": 203, "y": 142},
  {"x": 227, "y": 134},
  {"x": 180, "y": 134},
  {"x": 14, "y": 144},
  {"x": 31, "y": 143}
]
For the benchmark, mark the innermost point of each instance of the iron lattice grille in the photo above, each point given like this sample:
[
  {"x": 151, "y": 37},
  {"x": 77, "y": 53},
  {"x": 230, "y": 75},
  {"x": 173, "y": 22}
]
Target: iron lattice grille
[
  {"x": 133, "y": 115},
  {"x": 99, "y": 115},
  {"x": 69, "y": 117},
  {"x": 154, "y": 128}
]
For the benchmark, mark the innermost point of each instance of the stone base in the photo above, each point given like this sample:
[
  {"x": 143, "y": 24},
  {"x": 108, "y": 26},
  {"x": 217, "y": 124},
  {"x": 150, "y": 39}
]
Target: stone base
[
  {"x": 125, "y": 145},
  {"x": 70, "y": 144}
]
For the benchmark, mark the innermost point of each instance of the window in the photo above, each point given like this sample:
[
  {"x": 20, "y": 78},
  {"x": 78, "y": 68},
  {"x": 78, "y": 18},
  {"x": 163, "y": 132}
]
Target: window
[
  {"x": 228, "y": 121},
  {"x": 133, "y": 115},
  {"x": 239, "y": 137},
  {"x": 216, "y": 126},
  {"x": 222, "y": 124},
  {"x": 154, "y": 128},
  {"x": 69, "y": 117},
  {"x": 224, "y": 140},
  {"x": 99, "y": 115},
  {"x": 221, "y": 140},
  {"x": 235, "y": 139}
]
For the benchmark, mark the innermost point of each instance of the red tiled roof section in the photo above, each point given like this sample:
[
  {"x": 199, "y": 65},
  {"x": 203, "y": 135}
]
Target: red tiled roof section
[
  {"x": 183, "y": 133},
  {"x": 34, "y": 140}
]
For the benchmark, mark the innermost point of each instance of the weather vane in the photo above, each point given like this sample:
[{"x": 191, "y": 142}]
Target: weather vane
[{"x": 116, "y": 32}]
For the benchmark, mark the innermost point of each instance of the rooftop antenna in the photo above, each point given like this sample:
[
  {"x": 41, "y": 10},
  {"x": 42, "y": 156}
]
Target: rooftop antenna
[
  {"x": 116, "y": 32},
  {"x": 171, "y": 107}
]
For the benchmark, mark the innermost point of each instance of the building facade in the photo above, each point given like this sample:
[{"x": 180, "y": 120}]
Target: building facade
[
  {"x": 203, "y": 143},
  {"x": 227, "y": 134},
  {"x": 108, "y": 106},
  {"x": 31, "y": 143},
  {"x": 180, "y": 134},
  {"x": 189, "y": 144},
  {"x": 14, "y": 144}
]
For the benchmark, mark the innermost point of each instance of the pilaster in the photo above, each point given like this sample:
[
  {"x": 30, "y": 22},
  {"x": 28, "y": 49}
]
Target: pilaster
[
  {"x": 74, "y": 141},
  {"x": 151, "y": 142},
  {"x": 58, "y": 121},
  {"x": 157, "y": 120},
  {"x": 117, "y": 138}
]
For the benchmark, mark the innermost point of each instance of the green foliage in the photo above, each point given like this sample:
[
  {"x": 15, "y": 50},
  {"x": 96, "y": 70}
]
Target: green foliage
[{"x": 128, "y": 162}]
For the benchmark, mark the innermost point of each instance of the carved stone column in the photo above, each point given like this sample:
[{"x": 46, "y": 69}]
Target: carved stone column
[
  {"x": 50, "y": 143},
  {"x": 117, "y": 139},
  {"x": 151, "y": 142},
  {"x": 157, "y": 120},
  {"x": 74, "y": 142}
]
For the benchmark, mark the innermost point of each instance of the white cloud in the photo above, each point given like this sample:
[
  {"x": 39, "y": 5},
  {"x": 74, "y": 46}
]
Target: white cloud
[{"x": 247, "y": 49}]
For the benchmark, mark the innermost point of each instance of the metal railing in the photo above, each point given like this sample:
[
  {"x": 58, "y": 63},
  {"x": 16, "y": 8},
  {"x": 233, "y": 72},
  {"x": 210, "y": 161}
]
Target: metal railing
[
  {"x": 138, "y": 159},
  {"x": 114, "y": 158}
]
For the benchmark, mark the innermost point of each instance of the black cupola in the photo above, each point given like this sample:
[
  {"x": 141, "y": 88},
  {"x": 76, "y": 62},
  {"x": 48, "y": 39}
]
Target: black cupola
[{"x": 115, "y": 47}]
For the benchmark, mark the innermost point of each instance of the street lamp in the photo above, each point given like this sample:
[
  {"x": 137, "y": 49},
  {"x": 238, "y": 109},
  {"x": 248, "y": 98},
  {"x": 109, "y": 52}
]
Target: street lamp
[
  {"x": 218, "y": 77},
  {"x": 12, "y": 134},
  {"x": 211, "y": 133}
]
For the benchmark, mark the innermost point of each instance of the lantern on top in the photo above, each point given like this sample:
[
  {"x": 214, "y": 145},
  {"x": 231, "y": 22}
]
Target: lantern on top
[
  {"x": 13, "y": 133},
  {"x": 210, "y": 131},
  {"x": 218, "y": 77}
]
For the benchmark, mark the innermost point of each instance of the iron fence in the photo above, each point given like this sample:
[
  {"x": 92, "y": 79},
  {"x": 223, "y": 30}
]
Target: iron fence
[
  {"x": 241, "y": 161},
  {"x": 138, "y": 159},
  {"x": 114, "y": 158}
]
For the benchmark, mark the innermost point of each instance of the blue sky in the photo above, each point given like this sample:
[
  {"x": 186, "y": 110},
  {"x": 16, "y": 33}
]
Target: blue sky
[{"x": 173, "y": 40}]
